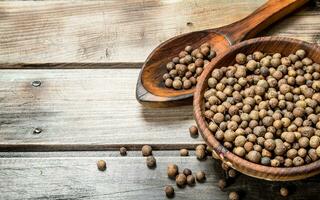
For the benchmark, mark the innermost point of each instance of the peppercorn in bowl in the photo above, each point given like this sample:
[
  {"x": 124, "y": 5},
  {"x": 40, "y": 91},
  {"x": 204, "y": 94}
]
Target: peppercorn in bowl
[{"x": 258, "y": 106}]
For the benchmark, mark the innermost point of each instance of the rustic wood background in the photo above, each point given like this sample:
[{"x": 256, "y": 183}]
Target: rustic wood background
[{"x": 87, "y": 55}]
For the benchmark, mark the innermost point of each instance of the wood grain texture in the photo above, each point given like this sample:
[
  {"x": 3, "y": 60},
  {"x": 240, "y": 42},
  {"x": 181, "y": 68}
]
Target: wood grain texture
[
  {"x": 79, "y": 178},
  {"x": 66, "y": 175},
  {"x": 301, "y": 25},
  {"x": 96, "y": 31},
  {"x": 260, "y": 19},
  {"x": 94, "y": 109},
  {"x": 284, "y": 46},
  {"x": 99, "y": 31}
]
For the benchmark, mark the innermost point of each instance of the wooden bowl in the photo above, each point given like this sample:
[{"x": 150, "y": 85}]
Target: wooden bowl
[{"x": 285, "y": 46}]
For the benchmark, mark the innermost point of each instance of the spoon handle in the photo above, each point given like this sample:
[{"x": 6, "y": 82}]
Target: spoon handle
[{"x": 264, "y": 16}]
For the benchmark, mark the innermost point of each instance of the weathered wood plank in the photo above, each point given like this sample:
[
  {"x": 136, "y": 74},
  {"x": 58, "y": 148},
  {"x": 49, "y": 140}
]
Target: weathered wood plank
[
  {"x": 93, "y": 109},
  {"x": 64, "y": 176},
  {"x": 104, "y": 31},
  {"x": 303, "y": 25},
  {"x": 78, "y": 178},
  {"x": 125, "y": 31}
]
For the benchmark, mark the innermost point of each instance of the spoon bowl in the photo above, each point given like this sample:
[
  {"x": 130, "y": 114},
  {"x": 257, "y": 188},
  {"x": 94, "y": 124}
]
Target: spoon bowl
[
  {"x": 285, "y": 46},
  {"x": 150, "y": 88},
  {"x": 152, "y": 75}
]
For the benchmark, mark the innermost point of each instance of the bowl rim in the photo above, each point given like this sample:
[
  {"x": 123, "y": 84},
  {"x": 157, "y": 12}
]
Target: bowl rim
[{"x": 228, "y": 157}]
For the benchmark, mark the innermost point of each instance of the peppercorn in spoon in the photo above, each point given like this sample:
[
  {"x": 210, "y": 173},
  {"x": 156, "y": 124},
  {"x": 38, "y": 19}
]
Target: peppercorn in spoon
[{"x": 151, "y": 88}]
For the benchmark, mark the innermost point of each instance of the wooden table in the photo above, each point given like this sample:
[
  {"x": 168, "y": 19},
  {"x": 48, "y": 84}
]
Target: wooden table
[{"x": 87, "y": 56}]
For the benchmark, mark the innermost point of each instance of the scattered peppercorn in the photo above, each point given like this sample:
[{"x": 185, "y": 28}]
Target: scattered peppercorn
[
  {"x": 200, "y": 152},
  {"x": 101, "y": 164},
  {"x": 151, "y": 162},
  {"x": 284, "y": 191},
  {"x": 200, "y": 176},
  {"x": 184, "y": 152},
  {"x": 187, "y": 172},
  {"x": 172, "y": 170},
  {"x": 146, "y": 150},
  {"x": 193, "y": 131},
  {"x": 191, "y": 180},
  {"x": 169, "y": 191},
  {"x": 233, "y": 196},
  {"x": 123, "y": 151},
  {"x": 224, "y": 166},
  {"x": 181, "y": 180},
  {"x": 222, "y": 184},
  {"x": 232, "y": 173}
]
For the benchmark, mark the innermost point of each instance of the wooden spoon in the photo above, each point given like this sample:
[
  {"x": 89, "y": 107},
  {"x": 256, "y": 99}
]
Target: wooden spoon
[
  {"x": 150, "y": 88},
  {"x": 285, "y": 46}
]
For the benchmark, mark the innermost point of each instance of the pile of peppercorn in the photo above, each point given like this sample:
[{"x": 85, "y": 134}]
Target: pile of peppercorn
[
  {"x": 265, "y": 108},
  {"x": 182, "y": 71}
]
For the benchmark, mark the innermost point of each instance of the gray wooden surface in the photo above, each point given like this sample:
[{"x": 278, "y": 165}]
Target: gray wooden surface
[
  {"x": 105, "y": 31},
  {"x": 74, "y": 175},
  {"x": 87, "y": 55},
  {"x": 121, "y": 31},
  {"x": 78, "y": 178},
  {"x": 86, "y": 107}
]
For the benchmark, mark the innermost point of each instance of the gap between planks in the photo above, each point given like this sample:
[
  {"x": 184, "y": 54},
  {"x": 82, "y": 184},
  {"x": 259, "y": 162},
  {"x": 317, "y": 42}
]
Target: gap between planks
[
  {"x": 87, "y": 154},
  {"x": 91, "y": 147},
  {"x": 120, "y": 65}
]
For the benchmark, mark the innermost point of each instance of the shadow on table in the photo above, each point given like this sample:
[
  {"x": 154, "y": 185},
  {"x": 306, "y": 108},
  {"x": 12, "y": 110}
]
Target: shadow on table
[
  {"x": 255, "y": 189},
  {"x": 167, "y": 115}
]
